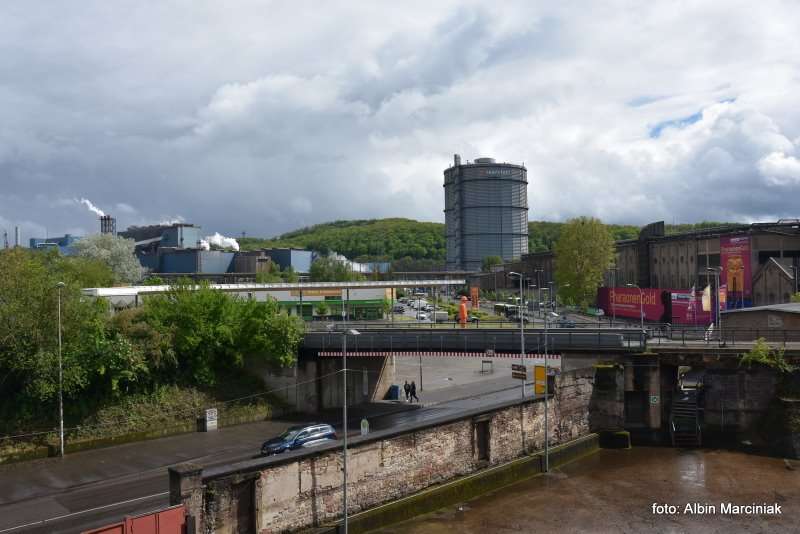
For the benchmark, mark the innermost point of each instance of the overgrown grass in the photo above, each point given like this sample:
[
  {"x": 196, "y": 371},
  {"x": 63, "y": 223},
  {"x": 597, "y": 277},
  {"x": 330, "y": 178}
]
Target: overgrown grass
[{"x": 167, "y": 408}]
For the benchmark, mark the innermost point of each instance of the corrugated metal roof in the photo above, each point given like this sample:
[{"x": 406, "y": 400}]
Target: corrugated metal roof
[{"x": 791, "y": 307}]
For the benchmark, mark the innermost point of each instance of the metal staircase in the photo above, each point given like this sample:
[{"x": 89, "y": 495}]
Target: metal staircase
[{"x": 684, "y": 420}]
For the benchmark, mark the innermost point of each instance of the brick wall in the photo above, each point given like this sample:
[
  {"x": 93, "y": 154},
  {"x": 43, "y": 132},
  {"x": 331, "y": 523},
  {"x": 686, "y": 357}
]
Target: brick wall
[{"x": 303, "y": 490}]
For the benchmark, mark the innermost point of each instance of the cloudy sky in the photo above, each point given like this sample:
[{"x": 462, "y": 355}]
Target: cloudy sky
[{"x": 264, "y": 116}]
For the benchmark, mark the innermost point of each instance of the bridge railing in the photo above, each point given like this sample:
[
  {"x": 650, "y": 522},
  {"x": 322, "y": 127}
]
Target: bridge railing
[
  {"x": 475, "y": 340},
  {"x": 405, "y": 336},
  {"x": 692, "y": 335}
]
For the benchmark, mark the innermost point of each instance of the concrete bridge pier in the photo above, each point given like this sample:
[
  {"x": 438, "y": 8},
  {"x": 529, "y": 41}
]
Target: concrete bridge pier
[
  {"x": 644, "y": 402},
  {"x": 315, "y": 383}
]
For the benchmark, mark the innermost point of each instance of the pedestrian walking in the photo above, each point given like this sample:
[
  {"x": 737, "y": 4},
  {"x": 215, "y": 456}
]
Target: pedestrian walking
[
  {"x": 407, "y": 389},
  {"x": 414, "y": 392}
]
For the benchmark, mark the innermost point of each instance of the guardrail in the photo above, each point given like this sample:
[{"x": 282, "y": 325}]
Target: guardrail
[
  {"x": 474, "y": 340},
  {"x": 686, "y": 335},
  {"x": 654, "y": 333}
]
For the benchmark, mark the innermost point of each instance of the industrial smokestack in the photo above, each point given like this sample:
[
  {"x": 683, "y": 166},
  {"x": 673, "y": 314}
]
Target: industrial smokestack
[
  {"x": 108, "y": 225},
  {"x": 16, "y": 236}
]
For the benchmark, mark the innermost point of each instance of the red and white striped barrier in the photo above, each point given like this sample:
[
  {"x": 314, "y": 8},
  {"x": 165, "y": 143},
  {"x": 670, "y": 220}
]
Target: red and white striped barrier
[{"x": 445, "y": 354}]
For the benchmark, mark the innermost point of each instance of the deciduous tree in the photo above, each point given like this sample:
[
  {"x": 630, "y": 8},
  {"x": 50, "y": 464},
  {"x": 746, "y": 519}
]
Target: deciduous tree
[
  {"x": 114, "y": 251},
  {"x": 489, "y": 262},
  {"x": 583, "y": 253}
]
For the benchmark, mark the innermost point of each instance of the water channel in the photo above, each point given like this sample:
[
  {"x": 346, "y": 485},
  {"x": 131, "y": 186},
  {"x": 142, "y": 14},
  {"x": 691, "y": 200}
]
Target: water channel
[{"x": 615, "y": 491}]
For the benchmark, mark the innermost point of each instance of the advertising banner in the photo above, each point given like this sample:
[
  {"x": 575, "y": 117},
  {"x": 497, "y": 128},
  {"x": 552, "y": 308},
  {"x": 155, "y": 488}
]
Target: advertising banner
[
  {"x": 736, "y": 276},
  {"x": 674, "y": 306},
  {"x": 624, "y": 302}
]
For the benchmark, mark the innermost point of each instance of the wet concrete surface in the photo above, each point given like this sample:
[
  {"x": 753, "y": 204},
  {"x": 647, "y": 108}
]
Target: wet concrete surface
[
  {"x": 614, "y": 491},
  {"x": 96, "y": 487}
]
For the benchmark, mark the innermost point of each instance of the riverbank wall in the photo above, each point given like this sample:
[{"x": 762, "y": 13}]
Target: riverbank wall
[{"x": 303, "y": 489}]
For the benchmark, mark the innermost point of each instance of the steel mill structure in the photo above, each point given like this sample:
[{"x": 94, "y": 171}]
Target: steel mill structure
[{"x": 486, "y": 212}]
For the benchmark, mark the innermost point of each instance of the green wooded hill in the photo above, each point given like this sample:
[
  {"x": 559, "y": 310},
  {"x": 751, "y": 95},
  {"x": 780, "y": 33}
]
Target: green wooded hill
[
  {"x": 374, "y": 239},
  {"x": 422, "y": 243}
]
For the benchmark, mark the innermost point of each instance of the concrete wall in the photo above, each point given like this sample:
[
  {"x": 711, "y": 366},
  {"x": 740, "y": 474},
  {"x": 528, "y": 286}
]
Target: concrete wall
[
  {"x": 316, "y": 384},
  {"x": 301, "y": 490},
  {"x": 368, "y": 378},
  {"x": 737, "y": 399}
]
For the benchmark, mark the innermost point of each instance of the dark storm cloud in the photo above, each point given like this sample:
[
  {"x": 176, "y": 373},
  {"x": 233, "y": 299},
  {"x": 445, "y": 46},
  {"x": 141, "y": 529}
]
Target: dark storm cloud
[{"x": 267, "y": 116}]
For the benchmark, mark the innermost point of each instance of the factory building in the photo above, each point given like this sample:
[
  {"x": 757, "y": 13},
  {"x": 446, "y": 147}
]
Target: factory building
[
  {"x": 486, "y": 212},
  {"x": 353, "y": 300},
  {"x": 63, "y": 243},
  {"x": 177, "y": 249},
  {"x": 180, "y": 249},
  {"x": 298, "y": 259},
  {"x": 757, "y": 263}
]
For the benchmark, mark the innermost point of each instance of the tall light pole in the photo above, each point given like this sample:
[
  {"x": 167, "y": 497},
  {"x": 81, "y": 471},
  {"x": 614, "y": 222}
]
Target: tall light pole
[
  {"x": 546, "y": 387},
  {"x": 60, "y": 286},
  {"x": 539, "y": 288},
  {"x": 521, "y": 329},
  {"x": 641, "y": 304},
  {"x": 351, "y": 332}
]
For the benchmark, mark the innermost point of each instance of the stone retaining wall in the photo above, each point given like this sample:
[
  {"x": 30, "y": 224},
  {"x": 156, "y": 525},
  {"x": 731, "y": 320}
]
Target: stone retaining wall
[{"x": 304, "y": 489}]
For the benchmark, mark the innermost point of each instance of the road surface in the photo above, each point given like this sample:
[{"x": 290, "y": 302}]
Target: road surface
[{"x": 94, "y": 488}]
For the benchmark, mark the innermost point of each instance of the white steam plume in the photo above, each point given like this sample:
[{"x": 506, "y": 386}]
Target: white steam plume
[
  {"x": 169, "y": 221},
  {"x": 94, "y": 209},
  {"x": 219, "y": 240}
]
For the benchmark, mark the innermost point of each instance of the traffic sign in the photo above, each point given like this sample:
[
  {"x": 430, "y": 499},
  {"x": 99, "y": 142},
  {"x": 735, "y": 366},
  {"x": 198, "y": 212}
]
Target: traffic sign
[
  {"x": 519, "y": 371},
  {"x": 539, "y": 380}
]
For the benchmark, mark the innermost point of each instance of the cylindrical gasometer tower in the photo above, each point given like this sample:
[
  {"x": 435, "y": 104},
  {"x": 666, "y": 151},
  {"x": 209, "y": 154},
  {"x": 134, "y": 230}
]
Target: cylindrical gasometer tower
[{"x": 485, "y": 211}]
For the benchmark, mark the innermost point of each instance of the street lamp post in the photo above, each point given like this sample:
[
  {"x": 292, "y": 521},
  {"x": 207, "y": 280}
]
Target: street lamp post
[
  {"x": 546, "y": 392},
  {"x": 539, "y": 290},
  {"x": 521, "y": 328},
  {"x": 351, "y": 332},
  {"x": 60, "y": 286}
]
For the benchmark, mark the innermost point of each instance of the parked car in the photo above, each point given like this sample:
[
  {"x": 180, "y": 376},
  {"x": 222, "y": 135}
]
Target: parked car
[
  {"x": 565, "y": 322},
  {"x": 422, "y": 316},
  {"x": 296, "y": 437},
  {"x": 317, "y": 442},
  {"x": 397, "y": 308}
]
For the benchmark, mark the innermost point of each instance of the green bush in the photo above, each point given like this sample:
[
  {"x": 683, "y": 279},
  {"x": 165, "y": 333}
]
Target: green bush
[{"x": 763, "y": 354}]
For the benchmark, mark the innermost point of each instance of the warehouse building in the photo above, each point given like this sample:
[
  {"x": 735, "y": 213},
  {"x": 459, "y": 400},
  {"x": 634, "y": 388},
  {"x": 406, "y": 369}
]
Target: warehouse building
[
  {"x": 757, "y": 263},
  {"x": 361, "y": 300},
  {"x": 774, "y": 322},
  {"x": 486, "y": 212},
  {"x": 63, "y": 244}
]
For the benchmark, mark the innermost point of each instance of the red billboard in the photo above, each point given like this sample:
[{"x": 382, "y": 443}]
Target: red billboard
[
  {"x": 674, "y": 306},
  {"x": 736, "y": 275}
]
